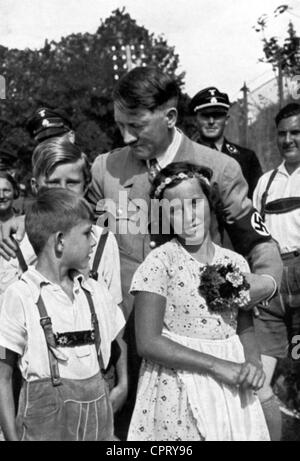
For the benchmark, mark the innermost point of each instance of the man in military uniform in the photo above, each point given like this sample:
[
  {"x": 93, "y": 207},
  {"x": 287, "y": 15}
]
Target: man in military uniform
[
  {"x": 210, "y": 108},
  {"x": 46, "y": 123}
]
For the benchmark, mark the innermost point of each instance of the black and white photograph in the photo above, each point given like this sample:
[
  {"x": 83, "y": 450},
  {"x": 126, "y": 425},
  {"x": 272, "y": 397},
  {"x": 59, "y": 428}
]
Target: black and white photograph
[{"x": 149, "y": 223}]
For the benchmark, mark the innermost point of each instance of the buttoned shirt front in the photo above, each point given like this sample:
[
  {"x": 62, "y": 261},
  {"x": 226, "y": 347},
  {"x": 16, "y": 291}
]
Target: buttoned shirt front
[
  {"x": 284, "y": 227},
  {"x": 21, "y": 332}
]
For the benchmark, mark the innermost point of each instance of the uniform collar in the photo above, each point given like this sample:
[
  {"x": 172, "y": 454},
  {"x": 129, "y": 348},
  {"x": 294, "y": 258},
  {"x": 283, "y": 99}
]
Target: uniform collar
[{"x": 35, "y": 280}]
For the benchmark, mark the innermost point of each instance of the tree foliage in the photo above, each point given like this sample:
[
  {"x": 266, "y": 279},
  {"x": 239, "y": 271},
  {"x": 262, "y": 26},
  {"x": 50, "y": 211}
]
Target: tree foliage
[{"x": 77, "y": 74}]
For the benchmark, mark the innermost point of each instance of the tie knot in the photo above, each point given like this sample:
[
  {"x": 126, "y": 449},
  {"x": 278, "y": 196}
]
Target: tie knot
[{"x": 153, "y": 169}]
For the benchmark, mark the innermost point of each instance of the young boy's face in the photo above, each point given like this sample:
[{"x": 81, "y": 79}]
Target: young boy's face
[
  {"x": 78, "y": 245},
  {"x": 66, "y": 175}
]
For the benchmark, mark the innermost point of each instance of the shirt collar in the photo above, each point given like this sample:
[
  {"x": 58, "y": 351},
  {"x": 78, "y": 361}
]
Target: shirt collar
[
  {"x": 282, "y": 169},
  {"x": 168, "y": 156},
  {"x": 35, "y": 280}
]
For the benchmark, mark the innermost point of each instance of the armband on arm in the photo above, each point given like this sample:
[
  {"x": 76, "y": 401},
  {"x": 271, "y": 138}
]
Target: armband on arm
[{"x": 247, "y": 232}]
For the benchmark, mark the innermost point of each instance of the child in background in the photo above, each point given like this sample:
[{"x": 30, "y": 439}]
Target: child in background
[
  {"x": 61, "y": 326},
  {"x": 201, "y": 369}
]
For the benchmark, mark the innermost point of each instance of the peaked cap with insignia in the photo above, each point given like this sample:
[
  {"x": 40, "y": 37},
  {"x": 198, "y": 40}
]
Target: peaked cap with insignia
[
  {"x": 46, "y": 123},
  {"x": 210, "y": 97}
]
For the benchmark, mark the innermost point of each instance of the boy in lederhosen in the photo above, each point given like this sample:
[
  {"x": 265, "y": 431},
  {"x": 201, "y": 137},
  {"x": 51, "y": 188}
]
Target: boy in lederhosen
[
  {"x": 277, "y": 197},
  {"x": 59, "y": 326}
]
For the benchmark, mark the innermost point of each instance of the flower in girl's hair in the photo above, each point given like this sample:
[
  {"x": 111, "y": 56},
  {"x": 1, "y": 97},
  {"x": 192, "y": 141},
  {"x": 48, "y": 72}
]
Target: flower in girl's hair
[{"x": 223, "y": 286}]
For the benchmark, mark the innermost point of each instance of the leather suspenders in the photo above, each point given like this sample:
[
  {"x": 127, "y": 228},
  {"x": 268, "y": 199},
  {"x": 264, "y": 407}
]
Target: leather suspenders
[
  {"x": 265, "y": 194},
  {"x": 98, "y": 254},
  {"x": 46, "y": 323},
  {"x": 278, "y": 206}
]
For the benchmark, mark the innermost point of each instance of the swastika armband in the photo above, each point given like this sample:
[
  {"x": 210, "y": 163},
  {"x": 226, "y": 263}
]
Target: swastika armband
[{"x": 247, "y": 232}]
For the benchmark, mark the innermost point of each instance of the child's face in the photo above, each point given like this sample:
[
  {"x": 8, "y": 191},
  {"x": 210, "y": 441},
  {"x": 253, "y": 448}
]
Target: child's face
[
  {"x": 78, "y": 245},
  {"x": 67, "y": 175},
  {"x": 188, "y": 211},
  {"x": 6, "y": 196}
]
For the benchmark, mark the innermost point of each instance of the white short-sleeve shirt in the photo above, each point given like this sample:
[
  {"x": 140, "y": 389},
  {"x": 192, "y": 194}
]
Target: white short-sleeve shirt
[
  {"x": 284, "y": 227},
  {"x": 21, "y": 332}
]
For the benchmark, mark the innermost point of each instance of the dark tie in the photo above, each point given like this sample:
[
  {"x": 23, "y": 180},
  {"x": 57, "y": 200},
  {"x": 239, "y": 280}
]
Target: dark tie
[{"x": 153, "y": 169}]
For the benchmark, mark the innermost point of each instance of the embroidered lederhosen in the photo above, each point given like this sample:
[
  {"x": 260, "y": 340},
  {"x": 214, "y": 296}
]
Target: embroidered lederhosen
[{"x": 66, "y": 409}]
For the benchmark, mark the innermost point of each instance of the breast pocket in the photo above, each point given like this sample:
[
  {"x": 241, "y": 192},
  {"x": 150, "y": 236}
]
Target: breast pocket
[{"x": 128, "y": 220}]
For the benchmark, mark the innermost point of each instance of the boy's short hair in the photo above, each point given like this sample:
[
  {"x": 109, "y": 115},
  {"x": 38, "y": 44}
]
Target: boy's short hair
[
  {"x": 145, "y": 88},
  {"x": 287, "y": 111},
  {"x": 57, "y": 151},
  {"x": 51, "y": 211}
]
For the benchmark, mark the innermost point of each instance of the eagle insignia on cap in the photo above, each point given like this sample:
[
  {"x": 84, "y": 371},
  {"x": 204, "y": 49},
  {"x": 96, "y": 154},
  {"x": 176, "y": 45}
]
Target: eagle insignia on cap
[{"x": 42, "y": 113}]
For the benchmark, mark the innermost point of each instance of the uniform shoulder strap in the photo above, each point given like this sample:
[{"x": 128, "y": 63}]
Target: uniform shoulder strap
[
  {"x": 98, "y": 254},
  {"x": 265, "y": 194}
]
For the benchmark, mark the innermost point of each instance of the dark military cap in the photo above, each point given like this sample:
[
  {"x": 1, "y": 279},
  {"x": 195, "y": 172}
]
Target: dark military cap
[
  {"x": 210, "y": 97},
  {"x": 46, "y": 123},
  {"x": 7, "y": 159}
]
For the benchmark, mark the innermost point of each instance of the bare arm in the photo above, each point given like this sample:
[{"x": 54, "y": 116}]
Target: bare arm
[
  {"x": 7, "y": 406},
  {"x": 119, "y": 393},
  {"x": 152, "y": 345},
  {"x": 245, "y": 329}
]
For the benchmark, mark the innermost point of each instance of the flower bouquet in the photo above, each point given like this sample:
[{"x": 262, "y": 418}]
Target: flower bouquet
[{"x": 224, "y": 286}]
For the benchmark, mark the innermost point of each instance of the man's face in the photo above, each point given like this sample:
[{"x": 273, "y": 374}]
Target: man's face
[
  {"x": 288, "y": 140},
  {"x": 211, "y": 123},
  {"x": 146, "y": 132}
]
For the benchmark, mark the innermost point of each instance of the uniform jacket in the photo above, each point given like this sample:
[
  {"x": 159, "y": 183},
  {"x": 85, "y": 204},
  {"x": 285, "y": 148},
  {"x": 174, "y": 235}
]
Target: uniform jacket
[
  {"x": 246, "y": 158},
  {"x": 121, "y": 186},
  {"x": 248, "y": 161}
]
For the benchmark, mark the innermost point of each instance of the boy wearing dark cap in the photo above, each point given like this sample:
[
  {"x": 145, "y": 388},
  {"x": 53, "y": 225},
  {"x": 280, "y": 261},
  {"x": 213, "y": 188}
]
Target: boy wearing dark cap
[
  {"x": 47, "y": 123},
  {"x": 210, "y": 108}
]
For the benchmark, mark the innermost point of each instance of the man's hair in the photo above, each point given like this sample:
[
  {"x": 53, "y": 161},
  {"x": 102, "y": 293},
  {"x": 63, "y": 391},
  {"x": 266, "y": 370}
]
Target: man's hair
[
  {"x": 57, "y": 151},
  {"x": 145, "y": 88},
  {"x": 54, "y": 210},
  {"x": 287, "y": 111}
]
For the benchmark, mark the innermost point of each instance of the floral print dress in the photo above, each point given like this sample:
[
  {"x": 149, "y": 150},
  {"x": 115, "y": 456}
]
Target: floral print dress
[{"x": 178, "y": 405}]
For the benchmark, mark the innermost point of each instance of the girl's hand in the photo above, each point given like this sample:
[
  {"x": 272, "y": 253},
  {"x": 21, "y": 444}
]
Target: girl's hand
[{"x": 252, "y": 375}]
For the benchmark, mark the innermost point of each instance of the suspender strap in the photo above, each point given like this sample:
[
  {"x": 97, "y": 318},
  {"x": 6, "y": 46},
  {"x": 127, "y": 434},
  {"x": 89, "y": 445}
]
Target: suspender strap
[
  {"x": 282, "y": 205},
  {"x": 46, "y": 324},
  {"x": 95, "y": 325},
  {"x": 98, "y": 254},
  {"x": 20, "y": 256},
  {"x": 265, "y": 194}
]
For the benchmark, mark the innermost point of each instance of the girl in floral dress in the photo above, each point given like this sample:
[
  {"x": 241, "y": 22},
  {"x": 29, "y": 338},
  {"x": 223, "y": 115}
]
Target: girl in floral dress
[{"x": 201, "y": 369}]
